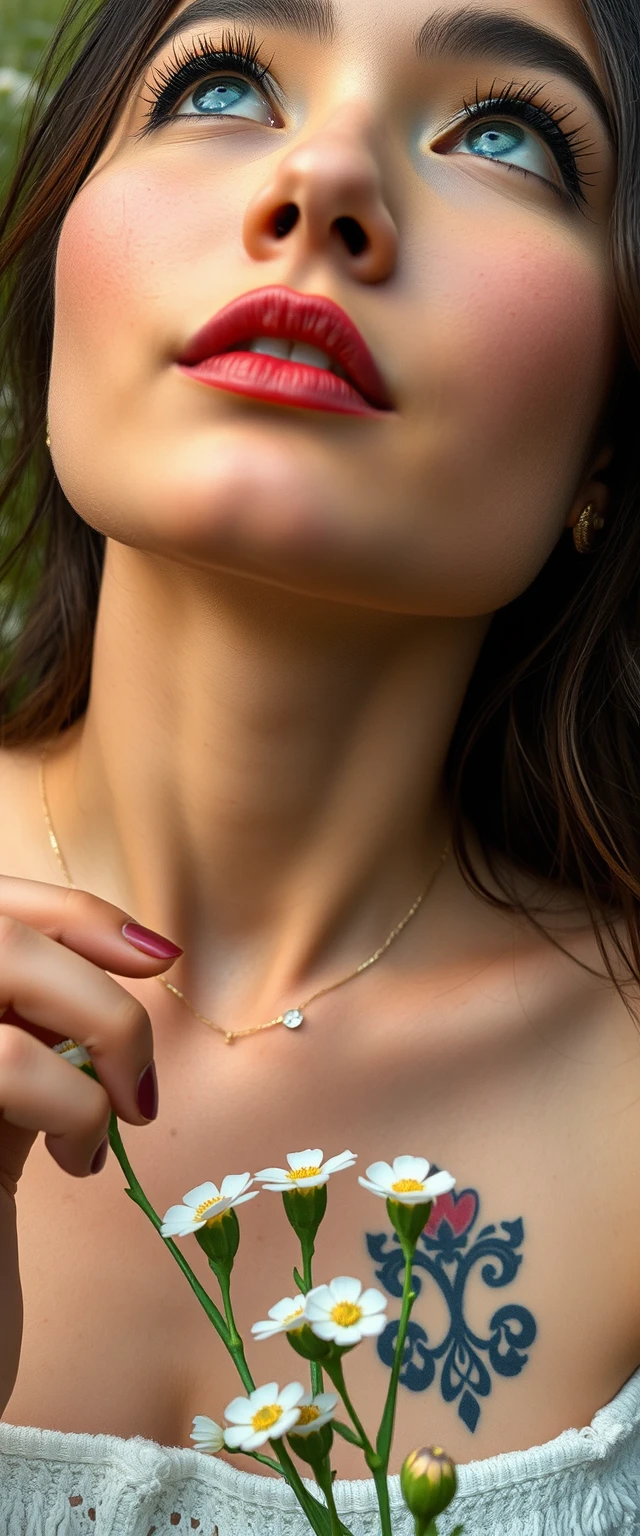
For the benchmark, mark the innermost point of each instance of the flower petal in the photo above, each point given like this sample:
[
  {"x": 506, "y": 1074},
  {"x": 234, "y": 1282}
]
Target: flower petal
[
  {"x": 292, "y": 1395},
  {"x": 318, "y": 1303},
  {"x": 202, "y": 1192},
  {"x": 410, "y": 1168},
  {"x": 265, "y": 1328},
  {"x": 313, "y": 1182},
  {"x": 239, "y": 1411},
  {"x": 273, "y": 1173},
  {"x": 345, "y": 1288},
  {"x": 372, "y": 1301},
  {"x": 285, "y": 1423},
  {"x": 439, "y": 1184},
  {"x": 279, "y": 1189},
  {"x": 347, "y": 1336},
  {"x": 259, "y": 1437},
  {"x": 237, "y": 1436},
  {"x": 311, "y": 1158},
  {"x": 325, "y": 1401},
  {"x": 233, "y": 1184},
  {"x": 380, "y": 1173},
  {"x": 374, "y": 1189},
  {"x": 264, "y": 1396},
  {"x": 370, "y": 1326},
  {"x": 242, "y": 1199},
  {"x": 343, "y": 1160},
  {"x": 324, "y": 1328}
]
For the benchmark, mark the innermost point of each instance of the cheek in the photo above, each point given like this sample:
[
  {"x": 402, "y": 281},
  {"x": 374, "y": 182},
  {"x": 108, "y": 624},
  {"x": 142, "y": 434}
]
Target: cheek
[
  {"x": 528, "y": 328},
  {"x": 126, "y": 250}
]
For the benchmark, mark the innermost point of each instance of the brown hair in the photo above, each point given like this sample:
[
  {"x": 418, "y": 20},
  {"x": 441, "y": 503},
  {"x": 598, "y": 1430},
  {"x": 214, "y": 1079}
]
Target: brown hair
[{"x": 545, "y": 759}]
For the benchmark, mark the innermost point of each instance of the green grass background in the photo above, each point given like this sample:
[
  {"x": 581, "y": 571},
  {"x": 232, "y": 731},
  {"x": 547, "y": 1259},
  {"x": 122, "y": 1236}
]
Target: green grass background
[{"x": 25, "y": 29}]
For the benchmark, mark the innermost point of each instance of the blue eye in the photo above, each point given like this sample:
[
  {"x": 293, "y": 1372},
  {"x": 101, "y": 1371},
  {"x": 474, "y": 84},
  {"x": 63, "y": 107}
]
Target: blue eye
[
  {"x": 508, "y": 144},
  {"x": 226, "y": 96}
]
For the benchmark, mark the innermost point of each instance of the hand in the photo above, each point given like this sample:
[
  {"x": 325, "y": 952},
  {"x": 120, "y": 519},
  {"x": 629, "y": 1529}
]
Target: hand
[{"x": 56, "y": 946}]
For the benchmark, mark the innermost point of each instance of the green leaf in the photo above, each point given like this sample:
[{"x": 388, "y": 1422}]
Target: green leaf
[
  {"x": 299, "y": 1282},
  {"x": 346, "y": 1432}
]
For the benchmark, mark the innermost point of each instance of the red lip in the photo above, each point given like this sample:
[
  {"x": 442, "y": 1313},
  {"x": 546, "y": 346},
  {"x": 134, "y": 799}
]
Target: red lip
[{"x": 212, "y": 356}]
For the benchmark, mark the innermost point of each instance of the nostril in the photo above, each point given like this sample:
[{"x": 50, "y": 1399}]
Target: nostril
[
  {"x": 353, "y": 235},
  {"x": 285, "y": 220}
]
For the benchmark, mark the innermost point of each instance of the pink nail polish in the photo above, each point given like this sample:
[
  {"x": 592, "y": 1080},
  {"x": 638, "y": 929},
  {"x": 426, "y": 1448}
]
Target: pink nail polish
[{"x": 150, "y": 943}]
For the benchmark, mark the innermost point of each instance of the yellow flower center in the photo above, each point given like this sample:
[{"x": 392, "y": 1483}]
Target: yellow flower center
[
  {"x": 345, "y": 1314},
  {"x": 303, "y": 1173},
  {"x": 291, "y": 1315},
  {"x": 308, "y": 1414},
  {"x": 407, "y": 1187},
  {"x": 207, "y": 1205},
  {"x": 265, "y": 1418}
]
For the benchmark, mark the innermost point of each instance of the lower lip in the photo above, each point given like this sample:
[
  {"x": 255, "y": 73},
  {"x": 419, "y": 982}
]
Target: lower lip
[{"x": 286, "y": 383}]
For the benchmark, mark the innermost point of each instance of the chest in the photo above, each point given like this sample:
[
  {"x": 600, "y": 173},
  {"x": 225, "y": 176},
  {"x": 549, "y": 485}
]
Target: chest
[{"x": 526, "y": 1319}]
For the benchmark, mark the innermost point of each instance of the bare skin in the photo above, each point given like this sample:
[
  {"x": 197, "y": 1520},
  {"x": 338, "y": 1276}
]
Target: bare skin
[{"x": 278, "y": 669}]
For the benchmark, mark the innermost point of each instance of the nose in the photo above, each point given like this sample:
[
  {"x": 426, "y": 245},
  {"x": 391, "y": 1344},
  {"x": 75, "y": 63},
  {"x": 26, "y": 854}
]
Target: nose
[{"x": 326, "y": 198}]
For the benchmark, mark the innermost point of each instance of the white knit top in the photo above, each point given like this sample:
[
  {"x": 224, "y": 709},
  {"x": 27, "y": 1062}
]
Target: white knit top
[{"x": 585, "y": 1483}]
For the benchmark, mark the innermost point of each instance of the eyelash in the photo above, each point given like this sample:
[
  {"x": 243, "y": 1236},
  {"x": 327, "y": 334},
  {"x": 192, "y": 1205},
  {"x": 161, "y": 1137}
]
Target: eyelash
[
  {"x": 196, "y": 61},
  {"x": 240, "y": 52},
  {"x": 568, "y": 148}
]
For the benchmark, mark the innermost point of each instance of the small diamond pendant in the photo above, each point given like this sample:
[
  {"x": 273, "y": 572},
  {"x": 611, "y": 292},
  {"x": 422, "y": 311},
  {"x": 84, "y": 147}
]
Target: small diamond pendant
[{"x": 293, "y": 1018}]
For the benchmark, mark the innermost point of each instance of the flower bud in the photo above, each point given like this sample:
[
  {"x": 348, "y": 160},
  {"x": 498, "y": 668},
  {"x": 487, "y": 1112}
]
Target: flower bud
[
  {"x": 312, "y": 1448},
  {"x": 219, "y": 1239},
  {"x": 428, "y": 1482},
  {"x": 409, "y": 1221},
  {"x": 305, "y": 1209},
  {"x": 305, "y": 1343}
]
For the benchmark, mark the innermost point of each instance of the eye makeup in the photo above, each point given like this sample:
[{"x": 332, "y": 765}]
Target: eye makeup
[
  {"x": 197, "y": 61},
  {"x": 194, "y": 62},
  {"x": 518, "y": 103}
]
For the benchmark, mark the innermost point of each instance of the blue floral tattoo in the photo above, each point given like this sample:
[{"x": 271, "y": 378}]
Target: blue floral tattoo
[{"x": 448, "y": 1252}]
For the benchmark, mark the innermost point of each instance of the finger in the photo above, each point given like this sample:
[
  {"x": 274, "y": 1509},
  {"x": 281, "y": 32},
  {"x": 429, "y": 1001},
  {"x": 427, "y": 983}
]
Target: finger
[
  {"x": 63, "y": 993},
  {"x": 94, "y": 928},
  {"x": 39, "y": 1091}
]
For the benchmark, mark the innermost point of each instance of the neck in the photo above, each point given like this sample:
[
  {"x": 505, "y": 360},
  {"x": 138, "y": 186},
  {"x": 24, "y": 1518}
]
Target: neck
[{"x": 258, "y": 776}]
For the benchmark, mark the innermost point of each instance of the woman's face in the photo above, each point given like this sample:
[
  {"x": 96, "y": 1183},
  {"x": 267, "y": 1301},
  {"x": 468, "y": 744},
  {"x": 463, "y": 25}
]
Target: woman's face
[{"x": 442, "y": 175}]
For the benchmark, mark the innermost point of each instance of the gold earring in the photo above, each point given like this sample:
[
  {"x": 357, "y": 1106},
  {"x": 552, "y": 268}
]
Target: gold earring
[{"x": 585, "y": 533}]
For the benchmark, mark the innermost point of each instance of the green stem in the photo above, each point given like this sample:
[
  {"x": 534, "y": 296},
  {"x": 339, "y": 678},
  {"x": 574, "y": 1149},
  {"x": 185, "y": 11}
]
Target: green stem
[
  {"x": 312, "y": 1509},
  {"x": 226, "y": 1330},
  {"x": 308, "y": 1249},
  {"x": 382, "y": 1491},
  {"x": 325, "y": 1482},
  {"x": 334, "y": 1370},
  {"x": 385, "y": 1433},
  {"x": 235, "y": 1345},
  {"x": 136, "y": 1193},
  {"x": 266, "y": 1461}
]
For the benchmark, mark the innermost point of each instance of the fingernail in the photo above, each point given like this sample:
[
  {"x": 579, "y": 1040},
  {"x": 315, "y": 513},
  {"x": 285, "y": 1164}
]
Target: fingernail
[
  {"x": 150, "y": 943},
  {"x": 101, "y": 1156},
  {"x": 147, "y": 1093}
]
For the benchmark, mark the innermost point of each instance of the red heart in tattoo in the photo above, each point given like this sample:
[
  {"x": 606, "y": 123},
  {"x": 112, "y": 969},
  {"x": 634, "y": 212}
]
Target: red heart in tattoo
[{"x": 459, "y": 1210}]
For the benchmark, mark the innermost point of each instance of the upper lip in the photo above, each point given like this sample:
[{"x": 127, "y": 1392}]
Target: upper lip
[{"x": 292, "y": 316}]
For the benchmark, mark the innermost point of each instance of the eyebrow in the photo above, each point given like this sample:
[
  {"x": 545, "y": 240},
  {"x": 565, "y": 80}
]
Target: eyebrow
[
  {"x": 473, "y": 33},
  {"x": 459, "y": 34},
  {"x": 311, "y": 18}
]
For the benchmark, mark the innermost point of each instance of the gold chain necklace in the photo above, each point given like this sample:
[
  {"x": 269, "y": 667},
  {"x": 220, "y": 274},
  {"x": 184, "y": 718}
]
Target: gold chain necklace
[{"x": 293, "y": 1017}]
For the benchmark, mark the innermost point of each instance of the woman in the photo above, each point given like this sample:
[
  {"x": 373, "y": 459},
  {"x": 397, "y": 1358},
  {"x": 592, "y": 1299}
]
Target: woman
[{"x": 339, "y": 545}]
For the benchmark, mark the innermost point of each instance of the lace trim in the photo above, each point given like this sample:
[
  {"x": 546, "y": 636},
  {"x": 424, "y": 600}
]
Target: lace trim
[{"x": 584, "y": 1483}]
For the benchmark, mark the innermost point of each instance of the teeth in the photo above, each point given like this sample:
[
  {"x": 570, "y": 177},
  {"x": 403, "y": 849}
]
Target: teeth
[
  {"x": 271, "y": 346},
  {"x": 301, "y": 353},
  {"x": 292, "y": 351}
]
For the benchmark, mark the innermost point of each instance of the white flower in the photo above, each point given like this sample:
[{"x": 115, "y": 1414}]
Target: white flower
[
  {"x": 406, "y": 1181},
  {"x": 204, "y": 1204},
  {"x": 208, "y": 1436},
  {"x": 73, "y": 1053},
  {"x": 267, "y": 1414},
  {"x": 287, "y": 1314},
  {"x": 315, "y": 1412},
  {"x": 342, "y": 1311},
  {"x": 306, "y": 1170}
]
